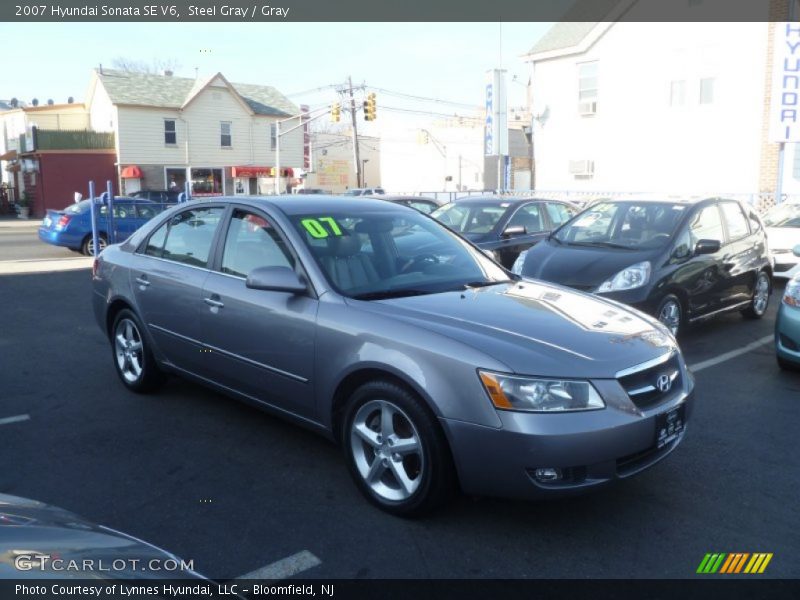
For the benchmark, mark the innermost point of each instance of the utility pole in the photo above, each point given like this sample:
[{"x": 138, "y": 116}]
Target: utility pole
[{"x": 356, "y": 154}]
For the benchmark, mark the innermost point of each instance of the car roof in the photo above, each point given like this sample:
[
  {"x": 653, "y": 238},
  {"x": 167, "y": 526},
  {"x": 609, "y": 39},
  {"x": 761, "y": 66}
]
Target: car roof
[
  {"x": 297, "y": 204},
  {"x": 497, "y": 200},
  {"x": 409, "y": 198}
]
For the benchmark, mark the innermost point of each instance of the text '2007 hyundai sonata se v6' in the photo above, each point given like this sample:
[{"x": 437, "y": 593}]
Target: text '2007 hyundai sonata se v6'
[{"x": 373, "y": 324}]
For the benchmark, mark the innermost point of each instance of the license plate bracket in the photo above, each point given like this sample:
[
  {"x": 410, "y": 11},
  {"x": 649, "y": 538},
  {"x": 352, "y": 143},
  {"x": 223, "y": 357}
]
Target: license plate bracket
[{"x": 669, "y": 425}]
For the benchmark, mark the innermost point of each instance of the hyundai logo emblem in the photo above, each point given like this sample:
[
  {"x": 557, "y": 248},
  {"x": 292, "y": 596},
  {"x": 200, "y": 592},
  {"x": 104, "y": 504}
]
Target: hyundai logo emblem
[{"x": 663, "y": 383}]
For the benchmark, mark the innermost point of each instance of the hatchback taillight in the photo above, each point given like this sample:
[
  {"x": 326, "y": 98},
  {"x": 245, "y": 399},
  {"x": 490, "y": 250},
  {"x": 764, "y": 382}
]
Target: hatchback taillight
[{"x": 63, "y": 222}]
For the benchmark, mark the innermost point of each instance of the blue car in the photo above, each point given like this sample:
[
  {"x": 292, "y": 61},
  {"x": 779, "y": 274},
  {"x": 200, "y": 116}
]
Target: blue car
[
  {"x": 72, "y": 227},
  {"x": 787, "y": 324}
]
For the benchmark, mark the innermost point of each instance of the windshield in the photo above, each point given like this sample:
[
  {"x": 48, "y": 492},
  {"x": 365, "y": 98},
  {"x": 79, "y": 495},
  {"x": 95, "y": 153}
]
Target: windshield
[
  {"x": 78, "y": 207},
  {"x": 783, "y": 215},
  {"x": 471, "y": 218},
  {"x": 372, "y": 255},
  {"x": 627, "y": 225}
]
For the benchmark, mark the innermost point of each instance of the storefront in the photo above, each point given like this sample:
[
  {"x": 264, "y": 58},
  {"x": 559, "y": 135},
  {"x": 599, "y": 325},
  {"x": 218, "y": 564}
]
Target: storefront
[
  {"x": 251, "y": 180},
  {"x": 206, "y": 181}
]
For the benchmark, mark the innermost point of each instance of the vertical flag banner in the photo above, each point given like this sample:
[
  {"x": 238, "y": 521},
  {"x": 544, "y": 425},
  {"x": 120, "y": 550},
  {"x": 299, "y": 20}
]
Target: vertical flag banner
[
  {"x": 496, "y": 126},
  {"x": 784, "y": 114}
]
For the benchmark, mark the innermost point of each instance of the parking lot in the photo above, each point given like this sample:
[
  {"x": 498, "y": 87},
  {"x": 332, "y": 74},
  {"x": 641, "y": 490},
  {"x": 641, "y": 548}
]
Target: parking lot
[{"x": 235, "y": 490}]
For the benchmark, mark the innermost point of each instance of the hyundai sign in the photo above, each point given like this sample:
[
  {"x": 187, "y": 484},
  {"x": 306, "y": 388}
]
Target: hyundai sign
[
  {"x": 496, "y": 126},
  {"x": 784, "y": 114}
]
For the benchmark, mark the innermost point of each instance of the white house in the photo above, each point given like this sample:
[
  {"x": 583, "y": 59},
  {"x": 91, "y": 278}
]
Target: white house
[
  {"x": 218, "y": 135},
  {"x": 625, "y": 106}
]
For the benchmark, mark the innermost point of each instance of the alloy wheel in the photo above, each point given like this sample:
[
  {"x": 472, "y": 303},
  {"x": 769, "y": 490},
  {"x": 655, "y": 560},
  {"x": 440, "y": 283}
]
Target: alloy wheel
[
  {"x": 128, "y": 350},
  {"x": 761, "y": 294},
  {"x": 670, "y": 315},
  {"x": 387, "y": 450}
]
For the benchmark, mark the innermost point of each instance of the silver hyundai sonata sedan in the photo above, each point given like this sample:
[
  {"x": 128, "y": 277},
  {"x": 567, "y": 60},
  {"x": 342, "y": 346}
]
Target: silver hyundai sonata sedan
[{"x": 373, "y": 324}]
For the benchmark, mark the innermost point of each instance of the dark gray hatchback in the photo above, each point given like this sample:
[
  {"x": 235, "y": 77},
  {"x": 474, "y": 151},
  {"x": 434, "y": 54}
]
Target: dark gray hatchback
[
  {"x": 679, "y": 261},
  {"x": 376, "y": 326}
]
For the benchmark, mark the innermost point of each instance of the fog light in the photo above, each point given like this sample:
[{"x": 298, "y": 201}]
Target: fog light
[{"x": 548, "y": 474}]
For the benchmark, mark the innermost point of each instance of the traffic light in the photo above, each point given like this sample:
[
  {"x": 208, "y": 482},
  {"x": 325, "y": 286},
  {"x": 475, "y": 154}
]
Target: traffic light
[
  {"x": 336, "y": 112},
  {"x": 370, "y": 108}
]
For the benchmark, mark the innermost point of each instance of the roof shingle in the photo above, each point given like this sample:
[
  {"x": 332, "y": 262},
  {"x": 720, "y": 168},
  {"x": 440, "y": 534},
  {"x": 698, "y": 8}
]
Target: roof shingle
[{"x": 145, "y": 89}]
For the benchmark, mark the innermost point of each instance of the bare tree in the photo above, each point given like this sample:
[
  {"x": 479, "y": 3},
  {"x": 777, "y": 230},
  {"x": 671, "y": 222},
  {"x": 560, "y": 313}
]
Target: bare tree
[{"x": 157, "y": 65}]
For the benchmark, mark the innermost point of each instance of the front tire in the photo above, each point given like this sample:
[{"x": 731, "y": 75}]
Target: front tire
[
  {"x": 760, "y": 301},
  {"x": 787, "y": 365},
  {"x": 133, "y": 360},
  {"x": 670, "y": 313},
  {"x": 396, "y": 452}
]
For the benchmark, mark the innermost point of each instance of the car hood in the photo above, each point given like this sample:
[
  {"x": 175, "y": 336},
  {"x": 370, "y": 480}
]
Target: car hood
[
  {"x": 581, "y": 267},
  {"x": 783, "y": 238},
  {"x": 538, "y": 329},
  {"x": 28, "y": 527}
]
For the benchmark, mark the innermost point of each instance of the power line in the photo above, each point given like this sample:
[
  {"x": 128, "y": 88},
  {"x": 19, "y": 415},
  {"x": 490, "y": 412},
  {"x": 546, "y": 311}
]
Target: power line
[
  {"x": 424, "y": 98},
  {"x": 432, "y": 113}
]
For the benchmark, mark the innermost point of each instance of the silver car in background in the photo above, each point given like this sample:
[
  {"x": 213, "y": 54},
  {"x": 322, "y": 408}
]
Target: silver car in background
[{"x": 374, "y": 325}]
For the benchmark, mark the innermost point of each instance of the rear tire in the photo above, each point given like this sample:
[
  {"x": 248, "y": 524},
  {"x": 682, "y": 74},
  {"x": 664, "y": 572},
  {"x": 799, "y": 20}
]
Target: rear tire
[
  {"x": 396, "y": 452},
  {"x": 760, "y": 300},
  {"x": 133, "y": 360},
  {"x": 87, "y": 247},
  {"x": 670, "y": 313}
]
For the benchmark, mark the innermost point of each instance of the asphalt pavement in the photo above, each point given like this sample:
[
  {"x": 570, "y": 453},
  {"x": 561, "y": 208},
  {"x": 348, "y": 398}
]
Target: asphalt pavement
[{"x": 234, "y": 489}]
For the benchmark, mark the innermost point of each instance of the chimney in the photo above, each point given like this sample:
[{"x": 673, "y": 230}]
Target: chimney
[{"x": 167, "y": 73}]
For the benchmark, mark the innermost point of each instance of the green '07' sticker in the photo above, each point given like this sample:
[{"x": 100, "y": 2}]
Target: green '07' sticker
[{"x": 317, "y": 230}]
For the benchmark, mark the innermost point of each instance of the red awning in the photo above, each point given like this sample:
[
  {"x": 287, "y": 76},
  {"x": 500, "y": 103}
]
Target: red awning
[
  {"x": 131, "y": 172},
  {"x": 250, "y": 171}
]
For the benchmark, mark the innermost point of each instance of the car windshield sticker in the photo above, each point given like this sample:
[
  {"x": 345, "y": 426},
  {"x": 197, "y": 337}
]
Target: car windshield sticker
[{"x": 317, "y": 230}]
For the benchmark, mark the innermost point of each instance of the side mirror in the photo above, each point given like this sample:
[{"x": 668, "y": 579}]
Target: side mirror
[
  {"x": 275, "y": 279},
  {"x": 514, "y": 230},
  {"x": 796, "y": 250},
  {"x": 707, "y": 246}
]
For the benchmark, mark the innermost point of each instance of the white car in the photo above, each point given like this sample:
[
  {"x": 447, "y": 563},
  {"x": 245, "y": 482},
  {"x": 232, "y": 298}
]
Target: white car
[{"x": 783, "y": 233}]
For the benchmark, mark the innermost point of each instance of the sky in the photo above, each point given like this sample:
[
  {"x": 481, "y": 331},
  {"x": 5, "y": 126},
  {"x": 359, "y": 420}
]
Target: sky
[{"x": 446, "y": 61}]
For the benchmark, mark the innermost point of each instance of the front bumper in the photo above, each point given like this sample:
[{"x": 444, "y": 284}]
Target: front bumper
[
  {"x": 590, "y": 448},
  {"x": 787, "y": 333},
  {"x": 785, "y": 265}
]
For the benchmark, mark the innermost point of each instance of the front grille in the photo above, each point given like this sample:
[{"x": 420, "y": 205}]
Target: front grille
[{"x": 649, "y": 387}]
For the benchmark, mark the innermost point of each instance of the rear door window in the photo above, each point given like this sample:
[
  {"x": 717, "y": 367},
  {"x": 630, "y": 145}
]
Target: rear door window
[
  {"x": 189, "y": 236},
  {"x": 735, "y": 220}
]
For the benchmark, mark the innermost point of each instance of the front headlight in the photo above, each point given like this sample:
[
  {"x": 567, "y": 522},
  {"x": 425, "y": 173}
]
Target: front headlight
[
  {"x": 517, "y": 266},
  {"x": 509, "y": 392},
  {"x": 791, "y": 295},
  {"x": 633, "y": 277}
]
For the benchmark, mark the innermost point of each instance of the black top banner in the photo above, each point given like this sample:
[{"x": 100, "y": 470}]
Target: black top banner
[{"x": 197, "y": 11}]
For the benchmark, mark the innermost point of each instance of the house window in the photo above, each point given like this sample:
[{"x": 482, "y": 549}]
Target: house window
[
  {"x": 170, "y": 135},
  {"x": 707, "y": 90},
  {"x": 587, "y": 86},
  {"x": 677, "y": 93},
  {"x": 273, "y": 136},
  {"x": 225, "y": 134}
]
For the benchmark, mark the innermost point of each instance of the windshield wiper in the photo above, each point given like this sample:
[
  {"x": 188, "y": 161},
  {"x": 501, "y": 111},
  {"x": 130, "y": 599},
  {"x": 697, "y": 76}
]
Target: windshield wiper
[
  {"x": 480, "y": 284},
  {"x": 602, "y": 244},
  {"x": 397, "y": 293}
]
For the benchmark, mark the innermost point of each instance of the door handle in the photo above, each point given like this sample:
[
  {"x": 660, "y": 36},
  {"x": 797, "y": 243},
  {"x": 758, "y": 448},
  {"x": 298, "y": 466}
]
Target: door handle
[
  {"x": 213, "y": 303},
  {"x": 142, "y": 280}
]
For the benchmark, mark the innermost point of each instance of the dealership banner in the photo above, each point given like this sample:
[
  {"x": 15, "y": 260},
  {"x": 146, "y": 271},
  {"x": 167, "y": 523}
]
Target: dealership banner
[
  {"x": 496, "y": 126},
  {"x": 784, "y": 114}
]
